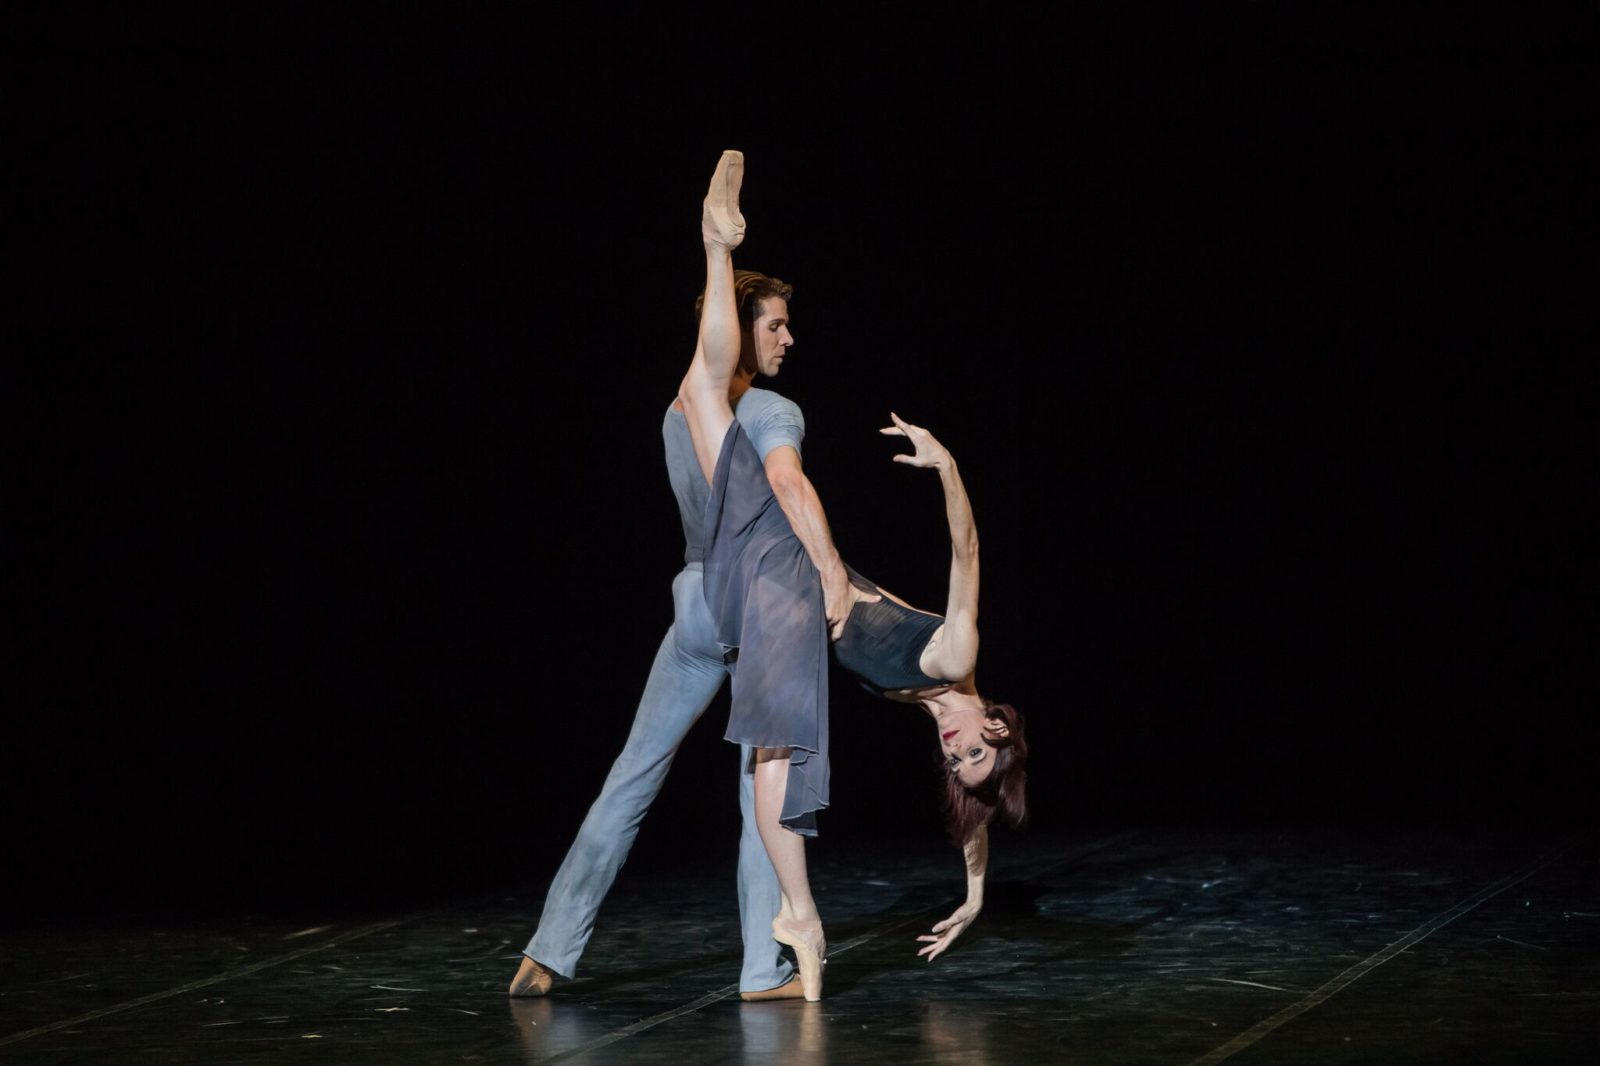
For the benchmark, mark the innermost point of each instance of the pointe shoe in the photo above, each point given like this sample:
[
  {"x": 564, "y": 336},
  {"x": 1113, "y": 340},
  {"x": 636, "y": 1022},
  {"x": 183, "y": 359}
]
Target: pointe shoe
[
  {"x": 532, "y": 979},
  {"x": 790, "y": 989},
  {"x": 721, "y": 223},
  {"x": 810, "y": 951}
]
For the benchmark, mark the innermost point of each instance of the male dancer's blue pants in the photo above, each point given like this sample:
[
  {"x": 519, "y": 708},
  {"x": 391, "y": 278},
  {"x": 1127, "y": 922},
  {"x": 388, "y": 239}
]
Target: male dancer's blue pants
[{"x": 687, "y": 673}]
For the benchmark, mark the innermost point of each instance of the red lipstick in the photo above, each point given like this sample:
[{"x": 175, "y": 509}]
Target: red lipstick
[{"x": 947, "y": 736}]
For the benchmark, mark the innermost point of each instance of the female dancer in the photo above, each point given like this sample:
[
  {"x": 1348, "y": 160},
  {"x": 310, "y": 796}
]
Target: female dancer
[
  {"x": 765, "y": 597},
  {"x": 912, "y": 656}
]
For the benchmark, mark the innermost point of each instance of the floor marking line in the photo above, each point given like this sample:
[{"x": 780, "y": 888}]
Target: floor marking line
[
  {"x": 854, "y": 942},
  {"x": 1354, "y": 973},
  {"x": 645, "y": 1023},
  {"x": 242, "y": 971}
]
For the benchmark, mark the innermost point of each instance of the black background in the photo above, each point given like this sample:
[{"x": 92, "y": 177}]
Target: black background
[{"x": 342, "y": 544}]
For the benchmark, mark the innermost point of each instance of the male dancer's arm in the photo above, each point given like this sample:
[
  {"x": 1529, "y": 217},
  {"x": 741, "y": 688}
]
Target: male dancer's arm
[{"x": 803, "y": 507}]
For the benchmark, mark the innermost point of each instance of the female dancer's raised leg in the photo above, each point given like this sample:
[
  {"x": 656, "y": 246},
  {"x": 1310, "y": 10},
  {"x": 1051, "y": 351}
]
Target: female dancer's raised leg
[
  {"x": 704, "y": 393},
  {"x": 704, "y": 390}
]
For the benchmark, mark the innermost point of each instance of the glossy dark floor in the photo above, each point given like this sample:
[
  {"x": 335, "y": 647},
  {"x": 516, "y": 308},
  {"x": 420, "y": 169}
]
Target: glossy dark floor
[{"x": 1167, "y": 947}]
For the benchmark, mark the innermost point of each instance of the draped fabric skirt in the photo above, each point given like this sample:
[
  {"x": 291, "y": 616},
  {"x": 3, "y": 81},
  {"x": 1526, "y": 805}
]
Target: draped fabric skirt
[{"x": 766, "y": 601}]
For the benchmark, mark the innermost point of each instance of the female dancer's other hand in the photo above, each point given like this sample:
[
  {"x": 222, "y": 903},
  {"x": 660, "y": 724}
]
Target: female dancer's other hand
[
  {"x": 945, "y": 932},
  {"x": 929, "y": 452}
]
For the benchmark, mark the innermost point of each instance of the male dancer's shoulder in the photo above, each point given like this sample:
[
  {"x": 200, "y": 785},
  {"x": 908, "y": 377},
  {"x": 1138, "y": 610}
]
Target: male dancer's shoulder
[{"x": 770, "y": 420}]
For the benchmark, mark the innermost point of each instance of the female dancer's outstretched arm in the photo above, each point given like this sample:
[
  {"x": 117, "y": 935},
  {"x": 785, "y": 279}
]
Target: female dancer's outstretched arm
[
  {"x": 976, "y": 855},
  {"x": 956, "y": 655}
]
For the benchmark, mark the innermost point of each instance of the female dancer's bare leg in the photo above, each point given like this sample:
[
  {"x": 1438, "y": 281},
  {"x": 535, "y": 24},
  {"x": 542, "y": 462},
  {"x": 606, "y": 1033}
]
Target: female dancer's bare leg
[
  {"x": 798, "y": 924},
  {"x": 704, "y": 393}
]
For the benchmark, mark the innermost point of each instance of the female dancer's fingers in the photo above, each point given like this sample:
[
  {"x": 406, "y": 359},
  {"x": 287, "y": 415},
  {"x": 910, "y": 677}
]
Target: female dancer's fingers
[
  {"x": 893, "y": 431},
  {"x": 904, "y": 425}
]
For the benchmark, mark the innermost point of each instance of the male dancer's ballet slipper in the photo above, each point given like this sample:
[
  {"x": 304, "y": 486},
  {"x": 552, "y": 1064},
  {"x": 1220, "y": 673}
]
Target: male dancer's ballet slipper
[
  {"x": 810, "y": 951},
  {"x": 532, "y": 979},
  {"x": 790, "y": 989},
  {"x": 721, "y": 223}
]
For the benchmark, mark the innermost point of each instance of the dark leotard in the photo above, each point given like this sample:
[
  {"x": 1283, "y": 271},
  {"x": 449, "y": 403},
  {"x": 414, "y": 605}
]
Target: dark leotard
[{"x": 882, "y": 643}]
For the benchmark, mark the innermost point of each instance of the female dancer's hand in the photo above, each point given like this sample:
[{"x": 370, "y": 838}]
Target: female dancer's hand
[
  {"x": 929, "y": 452},
  {"x": 945, "y": 932}
]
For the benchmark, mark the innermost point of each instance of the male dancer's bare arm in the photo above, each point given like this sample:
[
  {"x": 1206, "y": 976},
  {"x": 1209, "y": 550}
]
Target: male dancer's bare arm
[{"x": 803, "y": 507}]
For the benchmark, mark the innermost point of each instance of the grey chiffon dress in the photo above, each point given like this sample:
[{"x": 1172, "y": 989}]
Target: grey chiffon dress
[{"x": 766, "y": 601}]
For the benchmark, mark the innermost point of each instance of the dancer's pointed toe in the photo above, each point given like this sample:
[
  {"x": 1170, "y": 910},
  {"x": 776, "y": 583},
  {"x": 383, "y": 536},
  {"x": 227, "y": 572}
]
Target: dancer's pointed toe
[
  {"x": 721, "y": 224},
  {"x": 810, "y": 951}
]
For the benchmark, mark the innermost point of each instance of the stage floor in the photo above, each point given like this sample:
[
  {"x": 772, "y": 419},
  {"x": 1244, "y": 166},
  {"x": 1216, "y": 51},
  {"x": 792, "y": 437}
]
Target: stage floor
[{"x": 1441, "y": 945}]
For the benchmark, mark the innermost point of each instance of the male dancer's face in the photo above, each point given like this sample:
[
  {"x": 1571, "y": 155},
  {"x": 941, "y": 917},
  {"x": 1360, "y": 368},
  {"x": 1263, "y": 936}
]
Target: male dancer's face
[{"x": 769, "y": 339}]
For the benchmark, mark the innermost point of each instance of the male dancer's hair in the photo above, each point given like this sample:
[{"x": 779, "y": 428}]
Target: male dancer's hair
[{"x": 750, "y": 288}]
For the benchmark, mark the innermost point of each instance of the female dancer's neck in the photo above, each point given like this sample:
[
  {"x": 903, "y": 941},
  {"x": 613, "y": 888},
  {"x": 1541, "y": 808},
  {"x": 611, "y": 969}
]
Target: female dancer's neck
[{"x": 961, "y": 698}]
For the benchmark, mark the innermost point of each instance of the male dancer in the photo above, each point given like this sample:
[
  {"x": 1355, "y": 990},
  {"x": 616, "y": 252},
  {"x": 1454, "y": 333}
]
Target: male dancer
[{"x": 688, "y": 671}]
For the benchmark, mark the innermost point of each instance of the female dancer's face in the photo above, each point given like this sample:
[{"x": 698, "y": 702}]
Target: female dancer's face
[
  {"x": 769, "y": 339},
  {"x": 965, "y": 753}
]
